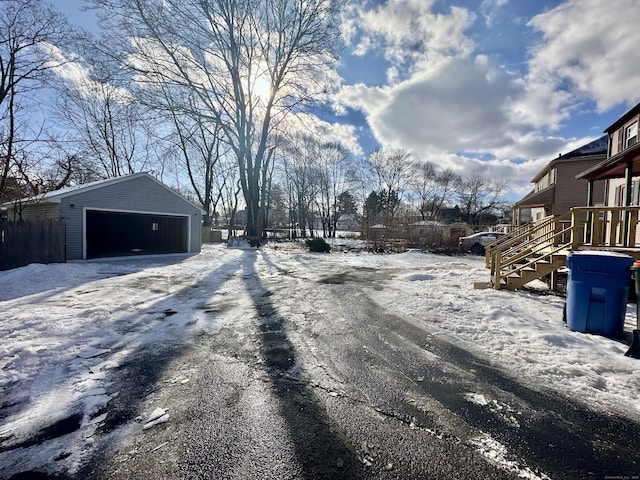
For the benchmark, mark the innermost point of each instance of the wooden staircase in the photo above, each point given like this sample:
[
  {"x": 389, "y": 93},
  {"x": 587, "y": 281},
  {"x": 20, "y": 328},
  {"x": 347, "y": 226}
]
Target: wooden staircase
[
  {"x": 530, "y": 252},
  {"x": 540, "y": 248}
]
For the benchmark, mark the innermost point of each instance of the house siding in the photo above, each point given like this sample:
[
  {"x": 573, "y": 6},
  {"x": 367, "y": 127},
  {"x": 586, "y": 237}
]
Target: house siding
[
  {"x": 614, "y": 183},
  {"x": 138, "y": 194},
  {"x": 571, "y": 192},
  {"x": 538, "y": 213},
  {"x": 618, "y": 136},
  {"x": 40, "y": 211},
  {"x": 547, "y": 180}
]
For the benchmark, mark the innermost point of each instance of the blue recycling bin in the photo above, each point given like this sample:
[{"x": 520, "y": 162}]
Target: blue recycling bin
[{"x": 597, "y": 291}]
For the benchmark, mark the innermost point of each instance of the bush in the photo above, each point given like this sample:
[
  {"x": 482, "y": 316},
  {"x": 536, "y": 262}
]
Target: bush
[{"x": 318, "y": 244}]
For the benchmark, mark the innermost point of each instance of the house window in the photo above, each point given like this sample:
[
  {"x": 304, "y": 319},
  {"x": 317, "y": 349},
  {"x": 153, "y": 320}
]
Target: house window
[
  {"x": 632, "y": 135},
  {"x": 635, "y": 192},
  {"x": 618, "y": 200},
  {"x": 620, "y": 138},
  {"x": 154, "y": 227}
]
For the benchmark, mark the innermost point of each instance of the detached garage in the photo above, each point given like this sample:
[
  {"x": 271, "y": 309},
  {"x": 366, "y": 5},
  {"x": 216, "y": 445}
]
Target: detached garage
[{"x": 131, "y": 215}]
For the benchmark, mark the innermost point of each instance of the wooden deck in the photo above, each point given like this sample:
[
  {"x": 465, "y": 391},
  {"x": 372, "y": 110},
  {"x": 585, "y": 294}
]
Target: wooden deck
[{"x": 540, "y": 248}]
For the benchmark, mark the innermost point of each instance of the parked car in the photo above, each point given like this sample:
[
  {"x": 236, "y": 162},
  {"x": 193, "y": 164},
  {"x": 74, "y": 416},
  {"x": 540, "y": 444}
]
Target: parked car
[{"x": 475, "y": 243}]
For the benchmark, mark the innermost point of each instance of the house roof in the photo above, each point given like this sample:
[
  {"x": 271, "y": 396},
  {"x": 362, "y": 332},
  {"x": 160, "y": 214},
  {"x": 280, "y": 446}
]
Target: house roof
[
  {"x": 57, "y": 195},
  {"x": 614, "y": 167},
  {"x": 427, "y": 223},
  {"x": 623, "y": 119},
  {"x": 596, "y": 148},
  {"x": 538, "y": 199}
]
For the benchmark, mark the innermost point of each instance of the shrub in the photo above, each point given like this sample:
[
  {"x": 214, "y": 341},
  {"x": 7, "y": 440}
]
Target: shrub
[{"x": 318, "y": 244}]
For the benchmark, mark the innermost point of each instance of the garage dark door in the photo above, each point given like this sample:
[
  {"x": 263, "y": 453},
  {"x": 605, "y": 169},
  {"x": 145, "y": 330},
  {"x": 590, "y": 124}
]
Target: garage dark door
[{"x": 112, "y": 234}]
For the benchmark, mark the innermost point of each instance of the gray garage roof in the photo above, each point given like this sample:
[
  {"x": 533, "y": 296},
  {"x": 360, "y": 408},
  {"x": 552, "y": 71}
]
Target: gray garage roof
[{"x": 57, "y": 195}]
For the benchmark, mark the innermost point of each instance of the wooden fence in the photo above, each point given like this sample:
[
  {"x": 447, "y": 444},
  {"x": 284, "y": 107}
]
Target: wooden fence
[
  {"x": 22, "y": 243},
  {"x": 211, "y": 235}
]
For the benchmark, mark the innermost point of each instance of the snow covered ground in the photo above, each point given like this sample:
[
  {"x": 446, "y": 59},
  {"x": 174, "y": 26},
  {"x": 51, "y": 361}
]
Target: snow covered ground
[{"x": 65, "y": 327}]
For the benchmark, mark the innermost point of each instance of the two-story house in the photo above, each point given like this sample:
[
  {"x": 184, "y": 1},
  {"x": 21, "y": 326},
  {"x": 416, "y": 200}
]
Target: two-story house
[
  {"x": 556, "y": 188},
  {"x": 621, "y": 169},
  {"x": 542, "y": 246}
]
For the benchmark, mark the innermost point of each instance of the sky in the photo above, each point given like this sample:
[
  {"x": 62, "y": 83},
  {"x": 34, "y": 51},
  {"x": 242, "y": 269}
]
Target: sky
[
  {"x": 494, "y": 86},
  {"x": 498, "y": 87},
  {"x": 68, "y": 328}
]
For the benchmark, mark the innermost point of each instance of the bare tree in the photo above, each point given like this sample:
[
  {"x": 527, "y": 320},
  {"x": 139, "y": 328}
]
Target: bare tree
[
  {"x": 27, "y": 27},
  {"x": 391, "y": 171},
  {"x": 333, "y": 163},
  {"x": 302, "y": 176},
  {"x": 228, "y": 183},
  {"x": 200, "y": 147},
  {"x": 432, "y": 188},
  {"x": 479, "y": 195},
  {"x": 37, "y": 172},
  {"x": 108, "y": 128},
  {"x": 245, "y": 63}
]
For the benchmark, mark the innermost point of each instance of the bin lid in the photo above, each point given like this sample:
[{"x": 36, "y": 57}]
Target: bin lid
[
  {"x": 600, "y": 261},
  {"x": 600, "y": 253}
]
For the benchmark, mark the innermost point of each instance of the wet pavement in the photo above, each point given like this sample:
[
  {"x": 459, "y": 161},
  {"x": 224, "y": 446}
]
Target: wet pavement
[{"x": 318, "y": 381}]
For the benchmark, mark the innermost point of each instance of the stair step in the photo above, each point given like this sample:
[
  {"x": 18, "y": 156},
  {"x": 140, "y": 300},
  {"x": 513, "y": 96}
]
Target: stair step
[{"x": 543, "y": 262}]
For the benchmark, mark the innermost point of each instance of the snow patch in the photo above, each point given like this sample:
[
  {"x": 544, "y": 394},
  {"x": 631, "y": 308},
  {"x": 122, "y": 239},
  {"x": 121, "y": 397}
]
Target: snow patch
[
  {"x": 158, "y": 416},
  {"x": 66, "y": 327},
  {"x": 498, "y": 454}
]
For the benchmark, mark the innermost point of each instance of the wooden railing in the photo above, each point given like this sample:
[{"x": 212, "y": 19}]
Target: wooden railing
[
  {"x": 521, "y": 250},
  {"x": 603, "y": 228},
  {"x": 612, "y": 227}
]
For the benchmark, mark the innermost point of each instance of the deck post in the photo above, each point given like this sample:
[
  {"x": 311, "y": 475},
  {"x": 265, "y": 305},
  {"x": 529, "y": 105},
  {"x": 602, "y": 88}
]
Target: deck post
[
  {"x": 633, "y": 224},
  {"x": 589, "y": 225},
  {"x": 628, "y": 173},
  {"x": 554, "y": 280},
  {"x": 575, "y": 228},
  {"x": 496, "y": 269},
  {"x": 597, "y": 230}
]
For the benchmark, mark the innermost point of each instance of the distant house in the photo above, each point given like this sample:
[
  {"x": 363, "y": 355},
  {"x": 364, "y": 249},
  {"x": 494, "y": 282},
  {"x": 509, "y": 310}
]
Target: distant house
[
  {"x": 348, "y": 222},
  {"x": 424, "y": 232},
  {"x": 134, "y": 214},
  {"x": 556, "y": 188}
]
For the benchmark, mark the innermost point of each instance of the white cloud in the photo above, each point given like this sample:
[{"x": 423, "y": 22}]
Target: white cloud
[
  {"x": 409, "y": 35},
  {"x": 80, "y": 77},
  {"x": 490, "y": 8},
  {"x": 463, "y": 106},
  {"x": 306, "y": 124},
  {"x": 446, "y": 103},
  {"x": 451, "y": 108},
  {"x": 456, "y": 108},
  {"x": 461, "y": 113},
  {"x": 589, "y": 48}
]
